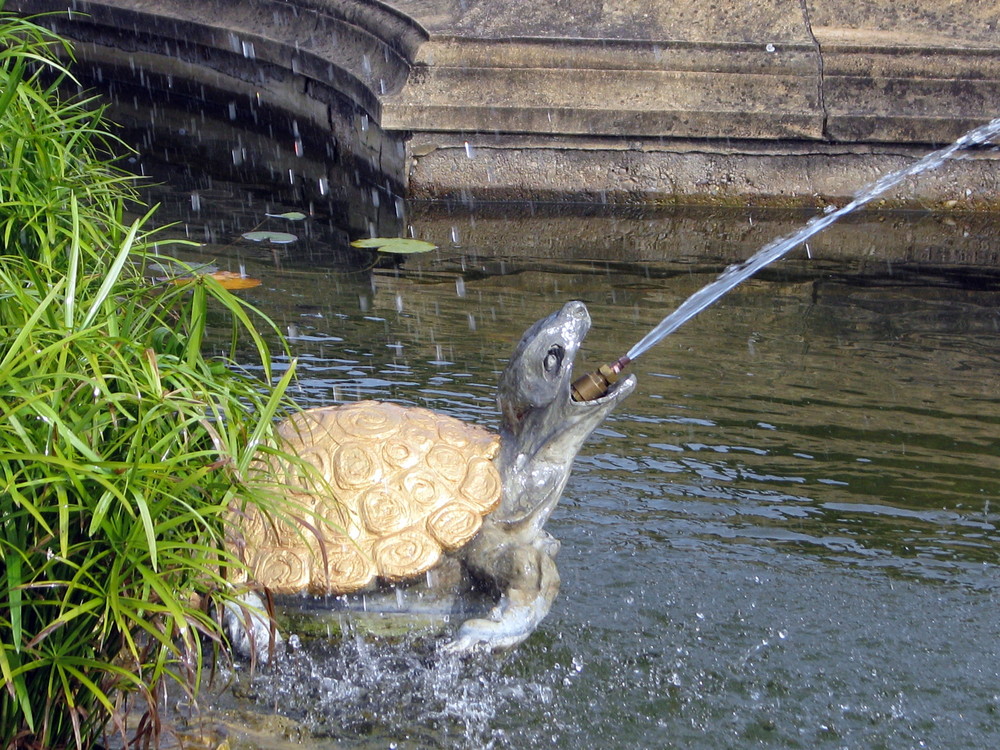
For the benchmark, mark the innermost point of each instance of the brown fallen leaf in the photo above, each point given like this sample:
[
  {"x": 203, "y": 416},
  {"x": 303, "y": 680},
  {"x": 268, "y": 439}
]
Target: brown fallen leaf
[{"x": 227, "y": 279}]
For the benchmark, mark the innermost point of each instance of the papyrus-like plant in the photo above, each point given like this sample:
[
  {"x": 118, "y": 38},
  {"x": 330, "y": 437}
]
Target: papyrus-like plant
[{"x": 123, "y": 450}]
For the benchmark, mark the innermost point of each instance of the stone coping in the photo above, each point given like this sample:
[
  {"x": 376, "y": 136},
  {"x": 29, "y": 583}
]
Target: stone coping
[{"x": 555, "y": 80}]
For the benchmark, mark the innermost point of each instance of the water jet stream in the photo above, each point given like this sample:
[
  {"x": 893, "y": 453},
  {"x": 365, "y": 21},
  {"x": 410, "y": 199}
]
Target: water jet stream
[{"x": 595, "y": 384}]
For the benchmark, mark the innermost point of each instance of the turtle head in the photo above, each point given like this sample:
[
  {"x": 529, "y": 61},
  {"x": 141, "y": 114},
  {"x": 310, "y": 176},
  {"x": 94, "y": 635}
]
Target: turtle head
[{"x": 542, "y": 427}]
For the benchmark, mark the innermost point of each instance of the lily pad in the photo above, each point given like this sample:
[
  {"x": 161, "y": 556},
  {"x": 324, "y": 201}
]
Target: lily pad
[
  {"x": 398, "y": 245},
  {"x": 290, "y": 215},
  {"x": 275, "y": 238}
]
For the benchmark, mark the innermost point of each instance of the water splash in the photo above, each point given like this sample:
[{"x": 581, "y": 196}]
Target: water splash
[
  {"x": 369, "y": 694},
  {"x": 771, "y": 252}
]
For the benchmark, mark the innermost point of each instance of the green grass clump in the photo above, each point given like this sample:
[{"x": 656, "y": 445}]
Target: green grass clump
[{"x": 123, "y": 450}]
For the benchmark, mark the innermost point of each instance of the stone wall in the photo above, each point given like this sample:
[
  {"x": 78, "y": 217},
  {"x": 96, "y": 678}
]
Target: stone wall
[{"x": 785, "y": 102}]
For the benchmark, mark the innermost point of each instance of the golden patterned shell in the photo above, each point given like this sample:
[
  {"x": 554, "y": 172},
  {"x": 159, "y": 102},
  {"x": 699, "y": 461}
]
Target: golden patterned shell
[{"x": 407, "y": 484}]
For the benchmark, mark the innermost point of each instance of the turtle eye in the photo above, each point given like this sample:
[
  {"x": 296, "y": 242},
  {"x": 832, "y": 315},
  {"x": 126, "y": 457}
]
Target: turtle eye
[{"x": 553, "y": 359}]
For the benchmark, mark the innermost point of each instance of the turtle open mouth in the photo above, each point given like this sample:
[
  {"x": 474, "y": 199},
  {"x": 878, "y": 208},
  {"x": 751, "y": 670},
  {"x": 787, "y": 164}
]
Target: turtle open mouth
[
  {"x": 603, "y": 384},
  {"x": 585, "y": 391},
  {"x": 620, "y": 388}
]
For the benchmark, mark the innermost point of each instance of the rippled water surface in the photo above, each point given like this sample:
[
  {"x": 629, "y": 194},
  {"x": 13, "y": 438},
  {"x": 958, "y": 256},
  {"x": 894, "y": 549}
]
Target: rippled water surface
[{"x": 787, "y": 537}]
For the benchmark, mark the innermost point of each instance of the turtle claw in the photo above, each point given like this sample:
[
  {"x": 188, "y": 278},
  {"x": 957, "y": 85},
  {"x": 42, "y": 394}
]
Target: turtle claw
[
  {"x": 464, "y": 644},
  {"x": 508, "y": 625}
]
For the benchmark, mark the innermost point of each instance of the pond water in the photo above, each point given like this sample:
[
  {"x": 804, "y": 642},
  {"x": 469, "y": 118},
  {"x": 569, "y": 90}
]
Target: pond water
[{"x": 787, "y": 537}]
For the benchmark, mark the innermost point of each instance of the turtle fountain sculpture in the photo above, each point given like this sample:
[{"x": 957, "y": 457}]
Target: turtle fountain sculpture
[{"x": 413, "y": 488}]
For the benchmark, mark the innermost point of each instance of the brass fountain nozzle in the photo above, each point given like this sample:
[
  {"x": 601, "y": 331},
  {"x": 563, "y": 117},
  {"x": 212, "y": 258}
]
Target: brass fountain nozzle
[{"x": 595, "y": 384}]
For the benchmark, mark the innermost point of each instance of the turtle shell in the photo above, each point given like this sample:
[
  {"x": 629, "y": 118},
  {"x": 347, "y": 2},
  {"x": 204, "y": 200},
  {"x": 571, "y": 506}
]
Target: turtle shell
[{"x": 395, "y": 487}]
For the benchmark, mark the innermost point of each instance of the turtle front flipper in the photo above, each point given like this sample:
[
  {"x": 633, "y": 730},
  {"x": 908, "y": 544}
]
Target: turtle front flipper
[{"x": 528, "y": 578}]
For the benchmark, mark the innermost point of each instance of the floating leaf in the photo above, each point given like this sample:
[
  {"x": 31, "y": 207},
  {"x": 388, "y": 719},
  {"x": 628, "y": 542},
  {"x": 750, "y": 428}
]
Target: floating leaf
[
  {"x": 395, "y": 245},
  {"x": 290, "y": 215},
  {"x": 275, "y": 238},
  {"x": 233, "y": 280},
  {"x": 227, "y": 279}
]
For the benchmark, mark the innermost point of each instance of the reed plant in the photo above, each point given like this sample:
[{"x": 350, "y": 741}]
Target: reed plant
[{"x": 123, "y": 449}]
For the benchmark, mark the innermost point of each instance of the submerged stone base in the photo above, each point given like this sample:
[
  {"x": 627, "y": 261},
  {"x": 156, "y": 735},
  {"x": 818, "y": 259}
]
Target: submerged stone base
[{"x": 786, "y": 102}]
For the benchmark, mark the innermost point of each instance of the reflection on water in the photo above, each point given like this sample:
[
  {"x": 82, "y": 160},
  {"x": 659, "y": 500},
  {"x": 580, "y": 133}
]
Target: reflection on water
[
  {"x": 777, "y": 248},
  {"x": 787, "y": 536}
]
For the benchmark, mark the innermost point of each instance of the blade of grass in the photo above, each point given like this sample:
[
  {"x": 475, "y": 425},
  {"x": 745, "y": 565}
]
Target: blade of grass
[
  {"x": 266, "y": 417},
  {"x": 74, "y": 263},
  {"x": 13, "y": 583},
  {"x": 14, "y": 349},
  {"x": 112, "y": 277},
  {"x": 13, "y": 82}
]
